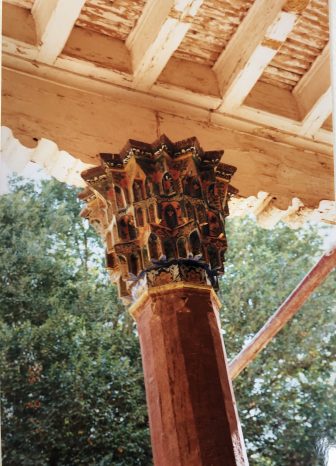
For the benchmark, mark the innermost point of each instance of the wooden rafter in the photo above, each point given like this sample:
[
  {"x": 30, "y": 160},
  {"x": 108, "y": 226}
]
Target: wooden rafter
[
  {"x": 313, "y": 94},
  {"x": 286, "y": 311},
  {"x": 158, "y": 33},
  {"x": 54, "y": 22},
  {"x": 251, "y": 49}
]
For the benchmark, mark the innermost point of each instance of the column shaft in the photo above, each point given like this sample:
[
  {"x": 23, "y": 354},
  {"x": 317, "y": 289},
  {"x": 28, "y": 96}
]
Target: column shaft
[{"x": 192, "y": 412}]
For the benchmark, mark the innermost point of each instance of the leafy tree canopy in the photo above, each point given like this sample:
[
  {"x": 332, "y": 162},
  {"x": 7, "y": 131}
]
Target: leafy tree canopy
[
  {"x": 286, "y": 397},
  {"x": 72, "y": 384}
]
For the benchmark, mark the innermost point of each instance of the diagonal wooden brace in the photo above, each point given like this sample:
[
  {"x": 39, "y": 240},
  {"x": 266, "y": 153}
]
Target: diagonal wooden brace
[{"x": 286, "y": 311}]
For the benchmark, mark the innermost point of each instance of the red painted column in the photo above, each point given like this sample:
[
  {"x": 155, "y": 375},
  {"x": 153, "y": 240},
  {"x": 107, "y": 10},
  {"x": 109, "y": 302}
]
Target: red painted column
[
  {"x": 161, "y": 210},
  {"x": 192, "y": 411}
]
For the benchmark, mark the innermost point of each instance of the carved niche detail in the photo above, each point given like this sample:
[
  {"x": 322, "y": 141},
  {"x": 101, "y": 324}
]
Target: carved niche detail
[{"x": 159, "y": 202}]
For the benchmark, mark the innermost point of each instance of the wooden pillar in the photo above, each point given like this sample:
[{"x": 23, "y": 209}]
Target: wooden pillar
[
  {"x": 192, "y": 411},
  {"x": 161, "y": 210}
]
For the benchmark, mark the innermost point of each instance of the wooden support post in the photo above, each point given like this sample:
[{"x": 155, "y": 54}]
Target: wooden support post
[
  {"x": 192, "y": 412},
  {"x": 286, "y": 311},
  {"x": 151, "y": 205}
]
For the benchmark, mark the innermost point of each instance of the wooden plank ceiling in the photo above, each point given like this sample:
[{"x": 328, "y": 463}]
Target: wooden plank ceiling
[
  {"x": 254, "y": 67},
  {"x": 113, "y": 18},
  {"x": 302, "y": 47}
]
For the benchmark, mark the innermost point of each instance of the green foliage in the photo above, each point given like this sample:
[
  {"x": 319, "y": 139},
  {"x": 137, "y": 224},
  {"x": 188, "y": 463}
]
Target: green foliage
[
  {"x": 285, "y": 397},
  {"x": 72, "y": 384}
]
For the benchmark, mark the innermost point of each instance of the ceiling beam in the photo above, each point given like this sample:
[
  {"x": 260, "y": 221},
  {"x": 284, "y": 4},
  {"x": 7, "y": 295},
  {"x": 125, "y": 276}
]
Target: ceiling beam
[
  {"x": 101, "y": 64},
  {"x": 157, "y": 34},
  {"x": 313, "y": 94},
  {"x": 90, "y": 77},
  {"x": 54, "y": 22},
  {"x": 317, "y": 114},
  {"x": 102, "y": 124},
  {"x": 253, "y": 46}
]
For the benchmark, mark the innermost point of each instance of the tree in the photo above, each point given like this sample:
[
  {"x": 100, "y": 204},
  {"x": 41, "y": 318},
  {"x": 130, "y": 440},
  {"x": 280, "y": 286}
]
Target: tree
[
  {"x": 72, "y": 385},
  {"x": 285, "y": 397}
]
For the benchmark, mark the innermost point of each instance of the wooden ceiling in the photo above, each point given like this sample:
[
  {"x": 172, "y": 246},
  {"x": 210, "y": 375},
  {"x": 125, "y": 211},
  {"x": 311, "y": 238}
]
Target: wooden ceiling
[
  {"x": 212, "y": 28},
  {"x": 113, "y": 18},
  {"x": 250, "y": 75},
  {"x": 306, "y": 41}
]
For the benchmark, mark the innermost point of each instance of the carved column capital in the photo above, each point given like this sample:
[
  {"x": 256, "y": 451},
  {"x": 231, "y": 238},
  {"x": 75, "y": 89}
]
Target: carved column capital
[{"x": 160, "y": 209}]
